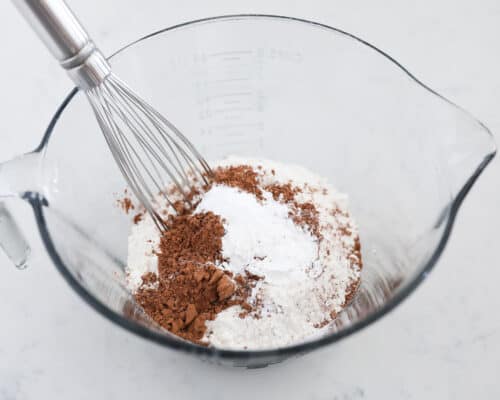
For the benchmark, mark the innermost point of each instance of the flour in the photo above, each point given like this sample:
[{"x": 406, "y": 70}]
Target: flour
[
  {"x": 306, "y": 280},
  {"x": 143, "y": 240}
]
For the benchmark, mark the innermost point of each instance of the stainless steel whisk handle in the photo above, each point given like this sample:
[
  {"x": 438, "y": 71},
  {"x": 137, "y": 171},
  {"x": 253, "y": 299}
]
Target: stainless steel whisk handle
[{"x": 67, "y": 40}]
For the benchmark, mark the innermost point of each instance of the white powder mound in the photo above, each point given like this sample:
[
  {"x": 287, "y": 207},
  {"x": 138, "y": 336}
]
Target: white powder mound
[
  {"x": 260, "y": 237},
  {"x": 306, "y": 280}
]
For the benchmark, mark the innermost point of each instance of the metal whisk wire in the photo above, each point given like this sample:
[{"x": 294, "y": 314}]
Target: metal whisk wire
[{"x": 150, "y": 151}]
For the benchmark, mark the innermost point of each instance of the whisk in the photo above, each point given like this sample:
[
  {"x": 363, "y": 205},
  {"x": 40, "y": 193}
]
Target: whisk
[{"x": 149, "y": 150}]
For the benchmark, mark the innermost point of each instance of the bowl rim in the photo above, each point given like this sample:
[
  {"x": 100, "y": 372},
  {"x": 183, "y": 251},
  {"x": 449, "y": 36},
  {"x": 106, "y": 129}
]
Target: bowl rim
[{"x": 213, "y": 352}]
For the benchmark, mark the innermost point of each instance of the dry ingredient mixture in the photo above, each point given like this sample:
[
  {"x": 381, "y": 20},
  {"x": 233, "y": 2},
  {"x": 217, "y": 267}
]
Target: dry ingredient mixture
[{"x": 264, "y": 256}]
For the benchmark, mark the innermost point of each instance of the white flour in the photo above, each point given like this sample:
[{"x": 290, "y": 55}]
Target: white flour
[
  {"x": 143, "y": 240},
  {"x": 305, "y": 279}
]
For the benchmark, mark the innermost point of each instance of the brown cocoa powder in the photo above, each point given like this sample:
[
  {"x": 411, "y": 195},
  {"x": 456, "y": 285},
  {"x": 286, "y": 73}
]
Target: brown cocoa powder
[
  {"x": 137, "y": 218},
  {"x": 126, "y": 204},
  {"x": 190, "y": 288},
  {"x": 241, "y": 176}
]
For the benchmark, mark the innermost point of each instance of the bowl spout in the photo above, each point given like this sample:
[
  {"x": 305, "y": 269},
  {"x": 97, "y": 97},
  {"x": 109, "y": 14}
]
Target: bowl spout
[{"x": 468, "y": 147}]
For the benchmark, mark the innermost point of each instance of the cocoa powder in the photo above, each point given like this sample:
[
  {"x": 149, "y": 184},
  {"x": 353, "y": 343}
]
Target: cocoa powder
[
  {"x": 137, "y": 218},
  {"x": 189, "y": 288},
  {"x": 126, "y": 204},
  {"x": 242, "y": 177}
]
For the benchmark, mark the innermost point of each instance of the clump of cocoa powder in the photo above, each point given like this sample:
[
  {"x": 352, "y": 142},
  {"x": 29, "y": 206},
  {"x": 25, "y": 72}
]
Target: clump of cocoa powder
[
  {"x": 126, "y": 204},
  {"x": 189, "y": 288},
  {"x": 241, "y": 176},
  {"x": 137, "y": 218}
]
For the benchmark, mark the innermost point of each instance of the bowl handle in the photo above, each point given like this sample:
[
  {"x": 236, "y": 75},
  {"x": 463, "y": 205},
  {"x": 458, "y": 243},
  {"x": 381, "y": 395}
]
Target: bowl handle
[
  {"x": 18, "y": 176},
  {"x": 12, "y": 240}
]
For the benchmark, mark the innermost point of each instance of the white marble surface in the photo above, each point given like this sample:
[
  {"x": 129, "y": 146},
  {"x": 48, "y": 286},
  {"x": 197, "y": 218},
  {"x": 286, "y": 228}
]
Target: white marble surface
[{"x": 441, "y": 343}]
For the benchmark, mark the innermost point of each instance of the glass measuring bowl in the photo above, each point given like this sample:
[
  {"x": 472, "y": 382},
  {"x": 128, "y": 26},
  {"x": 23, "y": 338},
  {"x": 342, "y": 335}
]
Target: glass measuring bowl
[{"x": 271, "y": 87}]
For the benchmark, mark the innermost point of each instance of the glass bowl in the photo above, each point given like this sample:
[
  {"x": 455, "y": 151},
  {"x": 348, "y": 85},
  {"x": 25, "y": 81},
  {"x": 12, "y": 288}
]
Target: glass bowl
[{"x": 271, "y": 87}]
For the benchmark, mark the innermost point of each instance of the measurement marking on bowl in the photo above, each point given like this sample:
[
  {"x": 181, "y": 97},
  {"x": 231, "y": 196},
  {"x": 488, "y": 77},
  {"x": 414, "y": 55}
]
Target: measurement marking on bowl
[
  {"x": 230, "y": 97},
  {"x": 224, "y": 95},
  {"x": 231, "y": 102},
  {"x": 229, "y": 80},
  {"x": 229, "y": 53},
  {"x": 257, "y": 125}
]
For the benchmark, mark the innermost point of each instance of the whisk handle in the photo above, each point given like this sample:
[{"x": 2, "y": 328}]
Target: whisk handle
[{"x": 66, "y": 39}]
